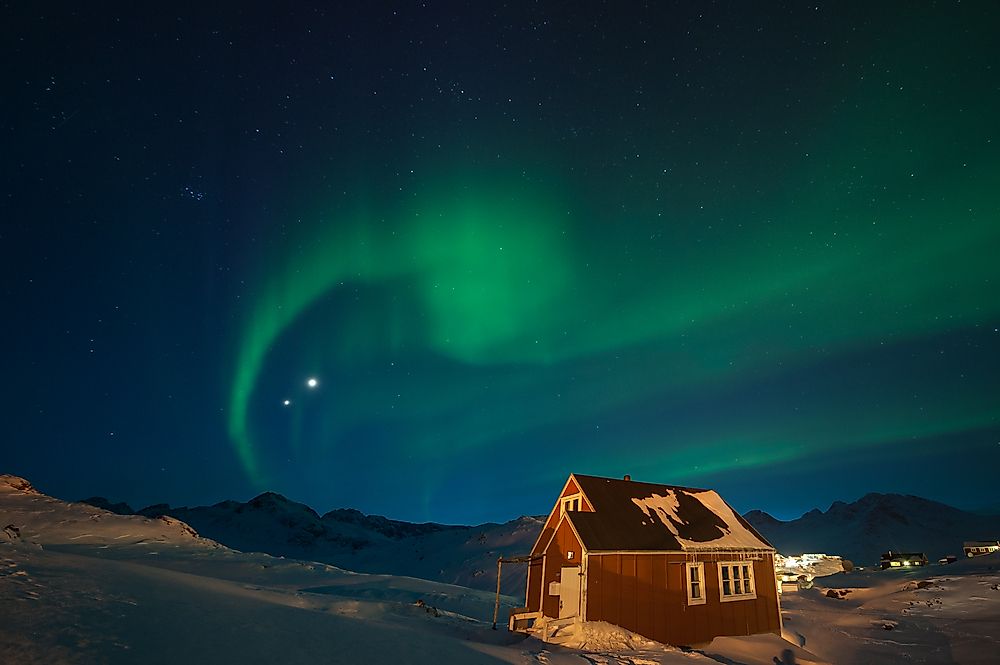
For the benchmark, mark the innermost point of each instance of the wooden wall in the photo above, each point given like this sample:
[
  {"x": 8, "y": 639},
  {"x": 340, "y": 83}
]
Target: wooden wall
[
  {"x": 647, "y": 594},
  {"x": 534, "y": 588},
  {"x": 533, "y": 595},
  {"x": 555, "y": 558}
]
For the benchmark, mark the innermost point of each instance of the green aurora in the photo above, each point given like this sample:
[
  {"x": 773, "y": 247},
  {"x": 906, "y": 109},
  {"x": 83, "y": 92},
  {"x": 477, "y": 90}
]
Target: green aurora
[
  {"x": 515, "y": 292},
  {"x": 503, "y": 280},
  {"x": 751, "y": 248}
]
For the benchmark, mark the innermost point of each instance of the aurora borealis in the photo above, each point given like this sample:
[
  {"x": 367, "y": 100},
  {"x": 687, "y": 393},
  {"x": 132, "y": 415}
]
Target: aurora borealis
[{"x": 699, "y": 245}]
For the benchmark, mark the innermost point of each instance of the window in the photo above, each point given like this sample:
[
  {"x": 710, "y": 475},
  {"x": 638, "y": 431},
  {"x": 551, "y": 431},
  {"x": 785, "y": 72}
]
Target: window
[
  {"x": 571, "y": 503},
  {"x": 736, "y": 580},
  {"x": 696, "y": 583}
]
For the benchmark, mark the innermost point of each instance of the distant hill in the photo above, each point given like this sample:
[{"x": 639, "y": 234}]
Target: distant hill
[
  {"x": 116, "y": 508},
  {"x": 347, "y": 538},
  {"x": 861, "y": 531}
]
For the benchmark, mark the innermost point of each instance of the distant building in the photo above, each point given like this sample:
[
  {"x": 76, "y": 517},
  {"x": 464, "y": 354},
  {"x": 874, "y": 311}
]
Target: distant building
[
  {"x": 980, "y": 547},
  {"x": 903, "y": 559},
  {"x": 677, "y": 565}
]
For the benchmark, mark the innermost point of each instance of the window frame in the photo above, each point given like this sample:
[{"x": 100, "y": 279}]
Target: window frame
[
  {"x": 566, "y": 503},
  {"x": 700, "y": 567},
  {"x": 735, "y": 574}
]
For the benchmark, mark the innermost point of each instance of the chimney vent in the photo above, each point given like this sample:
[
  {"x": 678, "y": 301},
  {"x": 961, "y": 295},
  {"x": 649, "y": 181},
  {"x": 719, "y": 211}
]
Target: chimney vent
[{"x": 627, "y": 477}]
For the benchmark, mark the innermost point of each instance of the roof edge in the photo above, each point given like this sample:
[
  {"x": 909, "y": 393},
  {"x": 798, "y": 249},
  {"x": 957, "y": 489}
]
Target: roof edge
[{"x": 641, "y": 482}]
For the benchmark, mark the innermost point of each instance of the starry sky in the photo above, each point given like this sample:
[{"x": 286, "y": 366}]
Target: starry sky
[{"x": 748, "y": 247}]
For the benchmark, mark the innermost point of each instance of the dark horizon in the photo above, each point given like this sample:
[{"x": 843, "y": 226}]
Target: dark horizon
[
  {"x": 992, "y": 510},
  {"x": 427, "y": 260}
]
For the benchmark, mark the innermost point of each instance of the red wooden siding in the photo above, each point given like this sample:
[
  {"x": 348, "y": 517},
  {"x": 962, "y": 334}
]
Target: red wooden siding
[
  {"x": 647, "y": 594},
  {"x": 555, "y": 558},
  {"x": 533, "y": 593}
]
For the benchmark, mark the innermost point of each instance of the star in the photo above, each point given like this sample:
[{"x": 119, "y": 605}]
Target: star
[{"x": 312, "y": 382}]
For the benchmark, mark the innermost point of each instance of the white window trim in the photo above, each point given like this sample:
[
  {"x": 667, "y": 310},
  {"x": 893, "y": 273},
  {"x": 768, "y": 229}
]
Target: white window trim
[
  {"x": 742, "y": 596},
  {"x": 568, "y": 500},
  {"x": 701, "y": 581}
]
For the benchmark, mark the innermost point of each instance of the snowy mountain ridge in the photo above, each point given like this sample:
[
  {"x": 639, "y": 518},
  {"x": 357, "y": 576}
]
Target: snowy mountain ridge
[
  {"x": 348, "y": 538},
  {"x": 862, "y": 530}
]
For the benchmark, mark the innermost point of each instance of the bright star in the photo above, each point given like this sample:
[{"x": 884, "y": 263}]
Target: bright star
[
  {"x": 312, "y": 382},
  {"x": 287, "y": 402}
]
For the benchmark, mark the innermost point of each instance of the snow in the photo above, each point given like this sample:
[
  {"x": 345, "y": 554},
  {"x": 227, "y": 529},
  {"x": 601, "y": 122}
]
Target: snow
[
  {"x": 603, "y": 636},
  {"x": 79, "y": 585},
  {"x": 808, "y": 566},
  {"x": 934, "y": 614},
  {"x": 603, "y": 642},
  {"x": 273, "y": 524},
  {"x": 735, "y": 535}
]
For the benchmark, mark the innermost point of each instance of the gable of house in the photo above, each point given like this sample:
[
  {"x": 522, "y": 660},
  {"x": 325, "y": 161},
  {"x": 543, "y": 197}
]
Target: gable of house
[{"x": 570, "y": 498}]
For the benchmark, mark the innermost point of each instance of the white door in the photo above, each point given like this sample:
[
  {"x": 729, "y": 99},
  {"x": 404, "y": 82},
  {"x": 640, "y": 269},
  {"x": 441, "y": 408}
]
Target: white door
[{"x": 569, "y": 592}]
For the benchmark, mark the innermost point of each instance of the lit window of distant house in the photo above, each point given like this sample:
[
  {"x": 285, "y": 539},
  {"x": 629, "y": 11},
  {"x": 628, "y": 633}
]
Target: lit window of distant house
[
  {"x": 736, "y": 580},
  {"x": 696, "y": 583}
]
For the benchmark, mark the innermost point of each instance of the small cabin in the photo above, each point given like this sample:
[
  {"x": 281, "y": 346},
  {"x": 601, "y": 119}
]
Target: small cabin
[
  {"x": 902, "y": 559},
  {"x": 675, "y": 564},
  {"x": 980, "y": 547}
]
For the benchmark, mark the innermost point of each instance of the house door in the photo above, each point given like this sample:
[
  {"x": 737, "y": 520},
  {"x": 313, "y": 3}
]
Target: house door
[{"x": 569, "y": 592}]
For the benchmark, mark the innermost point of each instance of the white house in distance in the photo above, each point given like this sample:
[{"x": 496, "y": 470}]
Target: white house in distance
[{"x": 980, "y": 547}]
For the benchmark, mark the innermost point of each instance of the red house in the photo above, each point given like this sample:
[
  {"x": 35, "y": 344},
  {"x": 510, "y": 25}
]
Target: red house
[{"x": 675, "y": 564}]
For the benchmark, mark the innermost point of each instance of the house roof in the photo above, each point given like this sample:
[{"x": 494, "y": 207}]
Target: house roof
[
  {"x": 893, "y": 556},
  {"x": 635, "y": 516}
]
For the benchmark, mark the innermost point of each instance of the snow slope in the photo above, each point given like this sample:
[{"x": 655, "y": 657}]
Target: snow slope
[
  {"x": 937, "y": 614},
  {"x": 347, "y": 538},
  {"x": 80, "y": 585}
]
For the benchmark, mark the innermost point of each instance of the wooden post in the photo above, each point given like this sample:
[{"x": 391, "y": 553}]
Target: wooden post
[
  {"x": 496, "y": 607},
  {"x": 500, "y": 561}
]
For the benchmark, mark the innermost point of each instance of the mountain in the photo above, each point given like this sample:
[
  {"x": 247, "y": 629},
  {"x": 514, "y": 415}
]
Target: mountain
[
  {"x": 347, "y": 538},
  {"x": 861, "y": 531},
  {"x": 116, "y": 508},
  {"x": 82, "y": 585}
]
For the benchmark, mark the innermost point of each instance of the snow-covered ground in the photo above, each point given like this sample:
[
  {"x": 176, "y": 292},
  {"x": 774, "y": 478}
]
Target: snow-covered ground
[
  {"x": 933, "y": 614},
  {"x": 81, "y": 585}
]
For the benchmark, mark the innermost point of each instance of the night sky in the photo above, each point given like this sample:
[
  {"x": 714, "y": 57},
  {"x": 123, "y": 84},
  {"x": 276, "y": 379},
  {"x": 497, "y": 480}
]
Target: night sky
[{"x": 753, "y": 247}]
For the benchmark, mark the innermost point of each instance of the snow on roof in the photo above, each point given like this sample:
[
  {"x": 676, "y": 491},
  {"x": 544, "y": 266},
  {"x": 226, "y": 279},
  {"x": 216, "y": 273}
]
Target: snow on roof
[
  {"x": 666, "y": 508},
  {"x": 636, "y": 516}
]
